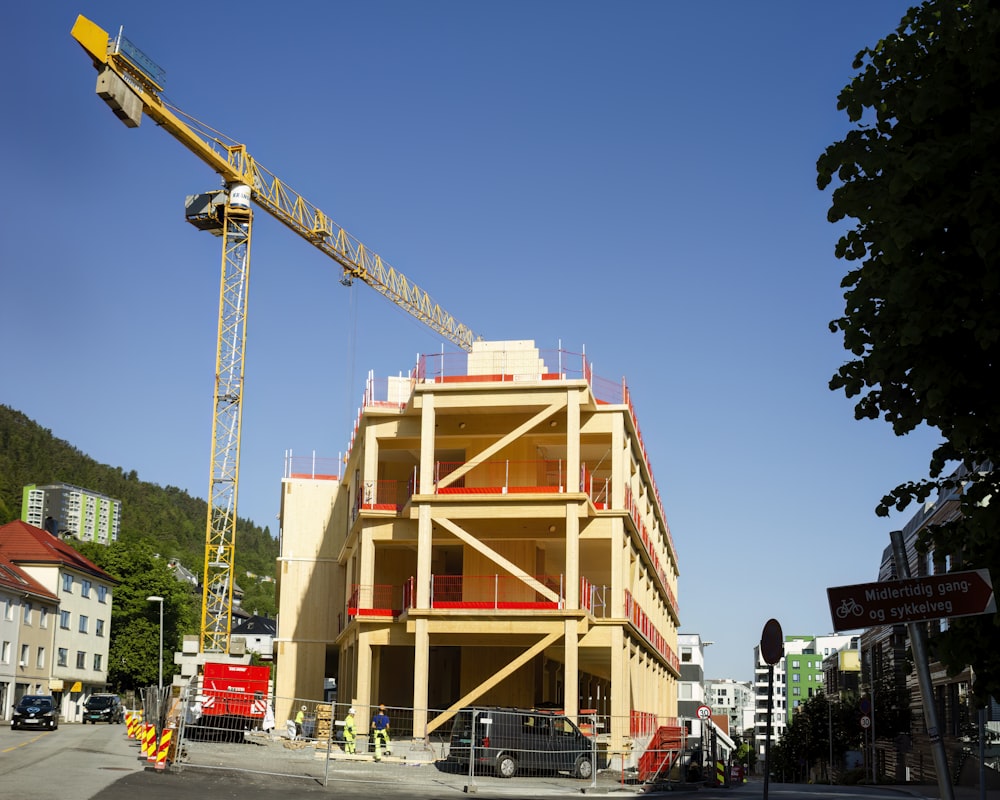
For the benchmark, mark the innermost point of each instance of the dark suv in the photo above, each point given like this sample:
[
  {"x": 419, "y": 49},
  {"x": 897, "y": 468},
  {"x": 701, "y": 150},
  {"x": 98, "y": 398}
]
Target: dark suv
[
  {"x": 35, "y": 711},
  {"x": 103, "y": 708},
  {"x": 511, "y": 740}
]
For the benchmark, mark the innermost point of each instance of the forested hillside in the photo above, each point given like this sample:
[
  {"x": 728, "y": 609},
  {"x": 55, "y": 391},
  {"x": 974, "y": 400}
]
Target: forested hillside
[{"x": 167, "y": 518}]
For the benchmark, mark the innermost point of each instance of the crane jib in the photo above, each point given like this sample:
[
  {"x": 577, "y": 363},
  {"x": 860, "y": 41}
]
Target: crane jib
[{"x": 123, "y": 66}]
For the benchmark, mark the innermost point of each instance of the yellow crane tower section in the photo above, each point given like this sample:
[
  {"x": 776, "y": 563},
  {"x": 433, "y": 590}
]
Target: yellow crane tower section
[{"x": 131, "y": 84}]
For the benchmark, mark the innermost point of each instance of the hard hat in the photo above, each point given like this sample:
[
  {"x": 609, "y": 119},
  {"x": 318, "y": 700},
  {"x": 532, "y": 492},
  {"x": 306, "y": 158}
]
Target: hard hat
[
  {"x": 350, "y": 710},
  {"x": 303, "y": 708}
]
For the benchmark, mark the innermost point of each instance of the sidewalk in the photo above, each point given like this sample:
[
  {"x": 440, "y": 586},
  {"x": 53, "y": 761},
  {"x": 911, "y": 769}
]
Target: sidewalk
[
  {"x": 414, "y": 762},
  {"x": 932, "y": 791}
]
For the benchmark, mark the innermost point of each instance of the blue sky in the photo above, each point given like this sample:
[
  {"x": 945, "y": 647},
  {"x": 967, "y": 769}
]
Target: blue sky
[{"x": 636, "y": 179}]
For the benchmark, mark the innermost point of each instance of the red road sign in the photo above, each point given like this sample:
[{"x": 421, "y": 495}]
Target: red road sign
[
  {"x": 953, "y": 594},
  {"x": 704, "y": 712}
]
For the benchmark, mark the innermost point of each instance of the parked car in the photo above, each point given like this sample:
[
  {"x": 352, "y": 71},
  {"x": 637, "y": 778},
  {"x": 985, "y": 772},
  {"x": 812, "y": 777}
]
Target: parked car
[
  {"x": 511, "y": 740},
  {"x": 35, "y": 711},
  {"x": 103, "y": 708}
]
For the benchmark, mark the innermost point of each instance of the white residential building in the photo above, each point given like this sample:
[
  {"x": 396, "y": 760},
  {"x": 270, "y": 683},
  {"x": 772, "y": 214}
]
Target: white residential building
[
  {"x": 797, "y": 677},
  {"x": 77, "y": 665},
  {"x": 733, "y": 700}
]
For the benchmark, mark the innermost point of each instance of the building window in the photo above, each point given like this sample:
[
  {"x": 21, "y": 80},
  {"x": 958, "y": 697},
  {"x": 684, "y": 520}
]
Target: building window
[
  {"x": 62, "y": 655},
  {"x": 40, "y": 661},
  {"x": 67, "y": 583},
  {"x": 97, "y": 662},
  {"x": 27, "y": 613},
  {"x": 83, "y": 623},
  {"x": 64, "y": 620},
  {"x": 43, "y": 618},
  {"x": 686, "y": 654},
  {"x": 796, "y": 677},
  {"x": 25, "y": 652},
  {"x": 81, "y": 659},
  {"x": 795, "y": 665},
  {"x": 85, "y": 588},
  {"x": 102, "y": 594},
  {"x": 685, "y": 691},
  {"x": 99, "y": 627},
  {"x": 796, "y": 691},
  {"x": 8, "y": 610},
  {"x": 5, "y": 653}
]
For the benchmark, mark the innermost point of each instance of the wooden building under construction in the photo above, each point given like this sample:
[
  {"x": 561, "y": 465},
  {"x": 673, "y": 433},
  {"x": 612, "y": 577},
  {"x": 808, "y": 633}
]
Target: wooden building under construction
[{"x": 493, "y": 537}]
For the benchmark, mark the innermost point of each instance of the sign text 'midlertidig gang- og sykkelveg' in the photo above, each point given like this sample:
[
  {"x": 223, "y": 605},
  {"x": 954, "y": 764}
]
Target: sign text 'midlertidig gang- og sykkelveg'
[{"x": 955, "y": 594}]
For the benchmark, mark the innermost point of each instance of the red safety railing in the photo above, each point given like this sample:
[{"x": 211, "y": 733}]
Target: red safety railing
[
  {"x": 648, "y": 547},
  {"x": 502, "y": 592},
  {"x": 502, "y": 477},
  {"x": 638, "y": 617},
  {"x": 379, "y": 600},
  {"x": 474, "y": 592}
]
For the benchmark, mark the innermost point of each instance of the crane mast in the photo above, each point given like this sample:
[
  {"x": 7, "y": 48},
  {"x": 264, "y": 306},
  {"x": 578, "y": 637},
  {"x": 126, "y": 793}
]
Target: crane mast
[
  {"x": 233, "y": 221},
  {"x": 131, "y": 84}
]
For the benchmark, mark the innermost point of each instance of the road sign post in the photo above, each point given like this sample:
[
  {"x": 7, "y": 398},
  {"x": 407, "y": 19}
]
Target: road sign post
[
  {"x": 918, "y": 641},
  {"x": 772, "y": 648},
  {"x": 911, "y": 600}
]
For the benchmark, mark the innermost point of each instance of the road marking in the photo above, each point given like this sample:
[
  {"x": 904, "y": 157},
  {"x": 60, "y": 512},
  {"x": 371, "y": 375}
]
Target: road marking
[{"x": 24, "y": 744}]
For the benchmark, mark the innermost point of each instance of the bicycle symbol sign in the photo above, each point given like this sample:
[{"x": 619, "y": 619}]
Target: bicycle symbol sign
[{"x": 849, "y": 607}]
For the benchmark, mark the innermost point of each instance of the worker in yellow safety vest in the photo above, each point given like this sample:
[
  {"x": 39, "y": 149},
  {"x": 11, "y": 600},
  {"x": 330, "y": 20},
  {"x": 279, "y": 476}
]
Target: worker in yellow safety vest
[
  {"x": 350, "y": 732},
  {"x": 300, "y": 718}
]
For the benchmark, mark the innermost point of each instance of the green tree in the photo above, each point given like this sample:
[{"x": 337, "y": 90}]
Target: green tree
[
  {"x": 746, "y": 753},
  {"x": 918, "y": 175},
  {"x": 806, "y": 742},
  {"x": 133, "y": 656}
]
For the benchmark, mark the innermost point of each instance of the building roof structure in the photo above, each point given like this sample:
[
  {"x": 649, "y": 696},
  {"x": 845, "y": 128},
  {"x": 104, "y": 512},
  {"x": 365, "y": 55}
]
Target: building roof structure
[{"x": 25, "y": 544}]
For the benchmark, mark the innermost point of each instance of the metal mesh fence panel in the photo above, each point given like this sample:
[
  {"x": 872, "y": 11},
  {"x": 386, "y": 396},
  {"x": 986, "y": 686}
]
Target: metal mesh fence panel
[{"x": 476, "y": 747}]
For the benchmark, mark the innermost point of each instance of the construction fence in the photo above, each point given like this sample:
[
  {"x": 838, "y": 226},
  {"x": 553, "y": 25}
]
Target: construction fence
[{"x": 325, "y": 743}]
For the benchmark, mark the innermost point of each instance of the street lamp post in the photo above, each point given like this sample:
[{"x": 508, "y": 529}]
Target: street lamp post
[{"x": 155, "y": 598}]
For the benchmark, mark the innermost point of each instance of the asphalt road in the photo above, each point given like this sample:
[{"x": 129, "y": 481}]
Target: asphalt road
[{"x": 88, "y": 762}]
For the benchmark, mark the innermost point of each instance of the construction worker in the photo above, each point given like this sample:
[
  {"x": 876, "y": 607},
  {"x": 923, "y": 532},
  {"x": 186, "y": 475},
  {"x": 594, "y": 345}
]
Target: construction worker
[
  {"x": 380, "y": 728},
  {"x": 350, "y": 733},
  {"x": 300, "y": 717}
]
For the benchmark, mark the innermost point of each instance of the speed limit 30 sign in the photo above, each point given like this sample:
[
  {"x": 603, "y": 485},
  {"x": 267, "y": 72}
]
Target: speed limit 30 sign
[{"x": 704, "y": 712}]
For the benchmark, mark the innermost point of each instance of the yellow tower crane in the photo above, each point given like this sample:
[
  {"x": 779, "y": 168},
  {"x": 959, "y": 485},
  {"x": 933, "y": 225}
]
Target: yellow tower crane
[{"x": 132, "y": 84}]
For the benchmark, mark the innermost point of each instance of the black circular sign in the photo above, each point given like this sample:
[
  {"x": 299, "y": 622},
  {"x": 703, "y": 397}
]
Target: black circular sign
[{"x": 772, "y": 648}]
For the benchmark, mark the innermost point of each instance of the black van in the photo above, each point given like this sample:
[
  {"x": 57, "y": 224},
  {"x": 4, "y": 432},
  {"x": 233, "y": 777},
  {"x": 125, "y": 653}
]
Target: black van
[
  {"x": 512, "y": 740},
  {"x": 103, "y": 708}
]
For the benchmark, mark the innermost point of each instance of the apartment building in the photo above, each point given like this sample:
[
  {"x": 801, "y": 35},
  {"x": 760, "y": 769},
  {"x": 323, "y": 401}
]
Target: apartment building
[
  {"x": 691, "y": 689},
  {"x": 27, "y": 612},
  {"x": 708, "y": 738},
  {"x": 798, "y": 676},
  {"x": 733, "y": 700},
  {"x": 77, "y": 662},
  {"x": 494, "y": 536},
  {"x": 65, "y": 510}
]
